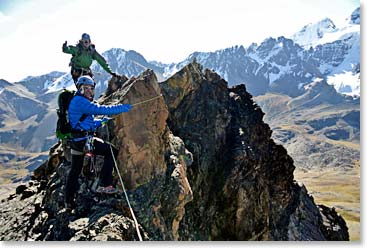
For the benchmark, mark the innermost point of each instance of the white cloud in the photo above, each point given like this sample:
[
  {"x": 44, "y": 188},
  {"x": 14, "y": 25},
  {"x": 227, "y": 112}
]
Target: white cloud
[{"x": 3, "y": 17}]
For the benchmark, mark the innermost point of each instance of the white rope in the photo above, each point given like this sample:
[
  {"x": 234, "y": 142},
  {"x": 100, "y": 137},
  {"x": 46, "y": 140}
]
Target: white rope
[
  {"x": 123, "y": 187},
  {"x": 118, "y": 172},
  {"x": 151, "y": 99}
]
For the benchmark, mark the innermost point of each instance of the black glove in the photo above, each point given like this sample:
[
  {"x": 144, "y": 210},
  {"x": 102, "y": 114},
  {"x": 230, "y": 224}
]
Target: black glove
[
  {"x": 65, "y": 44},
  {"x": 115, "y": 74}
]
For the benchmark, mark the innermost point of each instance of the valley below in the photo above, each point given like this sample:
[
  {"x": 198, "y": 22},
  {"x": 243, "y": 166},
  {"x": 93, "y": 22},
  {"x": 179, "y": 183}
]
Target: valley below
[
  {"x": 328, "y": 165},
  {"x": 336, "y": 188}
]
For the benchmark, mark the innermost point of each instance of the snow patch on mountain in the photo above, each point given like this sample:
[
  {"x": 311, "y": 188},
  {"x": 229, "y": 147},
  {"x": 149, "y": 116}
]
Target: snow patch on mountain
[
  {"x": 171, "y": 69},
  {"x": 53, "y": 74},
  {"x": 279, "y": 72},
  {"x": 336, "y": 49},
  {"x": 63, "y": 82},
  {"x": 342, "y": 34},
  {"x": 354, "y": 18},
  {"x": 346, "y": 83},
  {"x": 352, "y": 59},
  {"x": 325, "y": 31},
  {"x": 311, "y": 33}
]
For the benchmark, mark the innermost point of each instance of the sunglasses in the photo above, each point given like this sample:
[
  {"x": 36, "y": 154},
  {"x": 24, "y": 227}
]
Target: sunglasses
[
  {"x": 87, "y": 87},
  {"x": 86, "y": 41}
]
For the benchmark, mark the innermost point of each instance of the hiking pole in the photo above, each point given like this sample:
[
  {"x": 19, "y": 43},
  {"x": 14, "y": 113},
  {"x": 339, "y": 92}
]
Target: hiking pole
[
  {"x": 123, "y": 187},
  {"x": 151, "y": 99}
]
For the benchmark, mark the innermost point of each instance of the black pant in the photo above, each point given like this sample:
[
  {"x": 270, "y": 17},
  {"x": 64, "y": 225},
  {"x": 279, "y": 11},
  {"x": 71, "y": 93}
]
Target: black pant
[
  {"x": 77, "y": 165},
  {"x": 77, "y": 72}
]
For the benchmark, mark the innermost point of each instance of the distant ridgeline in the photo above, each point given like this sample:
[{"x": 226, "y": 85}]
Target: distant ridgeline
[{"x": 277, "y": 65}]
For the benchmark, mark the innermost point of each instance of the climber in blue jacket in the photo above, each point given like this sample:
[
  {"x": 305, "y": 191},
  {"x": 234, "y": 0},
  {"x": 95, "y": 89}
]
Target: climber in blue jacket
[{"x": 81, "y": 117}]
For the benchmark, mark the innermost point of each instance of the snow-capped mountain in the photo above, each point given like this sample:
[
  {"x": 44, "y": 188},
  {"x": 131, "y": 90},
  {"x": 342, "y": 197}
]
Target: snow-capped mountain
[
  {"x": 311, "y": 34},
  {"x": 65, "y": 81},
  {"x": 284, "y": 65},
  {"x": 281, "y": 64},
  {"x": 33, "y": 83},
  {"x": 128, "y": 63},
  {"x": 233, "y": 64},
  {"x": 325, "y": 31},
  {"x": 337, "y": 51},
  {"x": 276, "y": 64},
  {"x": 354, "y": 18}
]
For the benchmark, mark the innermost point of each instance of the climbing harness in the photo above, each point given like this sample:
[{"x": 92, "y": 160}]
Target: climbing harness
[
  {"x": 89, "y": 165},
  {"x": 89, "y": 157},
  {"x": 123, "y": 187}
]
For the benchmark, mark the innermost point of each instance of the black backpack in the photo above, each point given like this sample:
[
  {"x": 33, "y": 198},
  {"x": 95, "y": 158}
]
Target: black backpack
[{"x": 63, "y": 126}]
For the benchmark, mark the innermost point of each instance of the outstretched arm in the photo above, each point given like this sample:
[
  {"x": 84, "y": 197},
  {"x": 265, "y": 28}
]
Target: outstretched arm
[
  {"x": 102, "y": 61},
  {"x": 87, "y": 107}
]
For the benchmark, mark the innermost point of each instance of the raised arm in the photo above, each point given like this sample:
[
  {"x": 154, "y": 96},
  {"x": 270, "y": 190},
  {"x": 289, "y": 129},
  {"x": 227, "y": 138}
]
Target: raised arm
[{"x": 69, "y": 49}]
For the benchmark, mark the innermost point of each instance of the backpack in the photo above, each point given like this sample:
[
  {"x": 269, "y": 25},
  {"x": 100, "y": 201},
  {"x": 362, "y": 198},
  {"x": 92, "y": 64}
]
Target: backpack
[{"x": 63, "y": 126}]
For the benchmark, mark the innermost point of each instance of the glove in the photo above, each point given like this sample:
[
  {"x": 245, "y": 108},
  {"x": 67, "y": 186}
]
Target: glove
[
  {"x": 65, "y": 44},
  {"x": 114, "y": 74},
  {"x": 128, "y": 106},
  {"x": 105, "y": 120}
]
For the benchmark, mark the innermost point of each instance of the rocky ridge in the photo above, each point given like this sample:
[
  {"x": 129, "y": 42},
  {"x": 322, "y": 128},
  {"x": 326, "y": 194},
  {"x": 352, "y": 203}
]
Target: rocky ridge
[{"x": 199, "y": 164}]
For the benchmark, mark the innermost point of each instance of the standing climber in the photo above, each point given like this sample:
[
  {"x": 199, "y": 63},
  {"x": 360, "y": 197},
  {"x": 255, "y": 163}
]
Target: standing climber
[
  {"x": 83, "y": 55},
  {"x": 81, "y": 117}
]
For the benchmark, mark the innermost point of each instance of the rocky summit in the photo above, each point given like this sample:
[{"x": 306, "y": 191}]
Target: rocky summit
[{"x": 198, "y": 164}]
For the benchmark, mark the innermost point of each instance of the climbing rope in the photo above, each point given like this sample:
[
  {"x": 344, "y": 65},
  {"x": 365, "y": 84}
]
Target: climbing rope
[
  {"x": 123, "y": 187},
  {"x": 151, "y": 99},
  {"x": 118, "y": 171}
]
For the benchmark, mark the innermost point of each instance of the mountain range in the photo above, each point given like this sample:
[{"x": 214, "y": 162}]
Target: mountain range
[
  {"x": 317, "y": 50},
  {"x": 279, "y": 65}
]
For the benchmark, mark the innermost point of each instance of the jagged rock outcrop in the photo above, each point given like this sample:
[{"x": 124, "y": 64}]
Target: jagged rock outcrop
[
  {"x": 242, "y": 181},
  {"x": 199, "y": 164}
]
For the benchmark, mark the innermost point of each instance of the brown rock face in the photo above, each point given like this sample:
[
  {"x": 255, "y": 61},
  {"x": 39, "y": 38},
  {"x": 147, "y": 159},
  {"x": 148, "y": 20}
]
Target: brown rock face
[
  {"x": 198, "y": 163},
  {"x": 154, "y": 160},
  {"x": 142, "y": 133}
]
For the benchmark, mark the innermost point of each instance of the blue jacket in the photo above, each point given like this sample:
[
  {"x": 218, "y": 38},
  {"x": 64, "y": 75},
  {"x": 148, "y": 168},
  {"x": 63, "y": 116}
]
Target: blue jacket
[{"x": 80, "y": 105}]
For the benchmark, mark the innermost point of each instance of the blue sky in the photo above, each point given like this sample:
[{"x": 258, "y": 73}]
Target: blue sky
[{"x": 32, "y": 32}]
